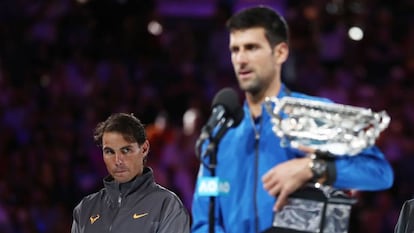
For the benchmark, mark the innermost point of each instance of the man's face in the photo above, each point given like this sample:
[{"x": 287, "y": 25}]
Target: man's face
[
  {"x": 253, "y": 59},
  {"x": 123, "y": 159}
]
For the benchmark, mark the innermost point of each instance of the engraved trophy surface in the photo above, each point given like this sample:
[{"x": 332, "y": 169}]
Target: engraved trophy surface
[
  {"x": 331, "y": 127},
  {"x": 341, "y": 130}
]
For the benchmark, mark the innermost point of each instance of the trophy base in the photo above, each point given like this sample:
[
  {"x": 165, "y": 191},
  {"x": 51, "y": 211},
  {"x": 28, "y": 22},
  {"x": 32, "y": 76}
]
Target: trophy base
[
  {"x": 314, "y": 210},
  {"x": 282, "y": 230}
]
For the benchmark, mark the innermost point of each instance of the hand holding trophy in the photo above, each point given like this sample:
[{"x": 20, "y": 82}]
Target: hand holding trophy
[{"x": 331, "y": 130}]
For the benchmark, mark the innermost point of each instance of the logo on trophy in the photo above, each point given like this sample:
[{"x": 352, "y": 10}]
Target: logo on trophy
[{"x": 334, "y": 130}]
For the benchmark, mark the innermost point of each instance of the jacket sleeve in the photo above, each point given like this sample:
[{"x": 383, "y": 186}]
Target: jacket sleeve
[
  {"x": 75, "y": 222},
  {"x": 200, "y": 210},
  {"x": 175, "y": 217},
  {"x": 369, "y": 171},
  {"x": 406, "y": 214}
]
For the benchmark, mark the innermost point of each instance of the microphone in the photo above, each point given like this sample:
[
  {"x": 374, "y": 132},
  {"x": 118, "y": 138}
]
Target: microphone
[{"x": 226, "y": 113}]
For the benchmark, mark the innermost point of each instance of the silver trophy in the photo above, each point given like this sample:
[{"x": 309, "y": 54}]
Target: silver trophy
[
  {"x": 331, "y": 127},
  {"x": 341, "y": 130}
]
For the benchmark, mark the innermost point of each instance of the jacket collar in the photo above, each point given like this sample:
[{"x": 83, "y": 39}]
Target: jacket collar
[
  {"x": 141, "y": 182},
  {"x": 284, "y": 91}
]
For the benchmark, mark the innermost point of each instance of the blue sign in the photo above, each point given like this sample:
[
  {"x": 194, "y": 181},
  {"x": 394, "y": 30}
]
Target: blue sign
[{"x": 212, "y": 186}]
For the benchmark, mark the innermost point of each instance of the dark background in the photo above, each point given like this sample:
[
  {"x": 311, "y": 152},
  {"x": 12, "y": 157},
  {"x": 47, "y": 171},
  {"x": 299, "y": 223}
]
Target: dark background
[{"x": 66, "y": 65}]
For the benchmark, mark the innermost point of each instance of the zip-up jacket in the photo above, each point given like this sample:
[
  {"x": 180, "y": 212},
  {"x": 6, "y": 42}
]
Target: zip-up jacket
[
  {"x": 247, "y": 152},
  {"x": 405, "y": 222},
  {"x": 145, "y": 207}
]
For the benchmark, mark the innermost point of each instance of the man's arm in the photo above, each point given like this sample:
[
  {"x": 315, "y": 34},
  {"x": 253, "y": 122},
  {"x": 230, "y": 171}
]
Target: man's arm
[
  {"x": 285, "y": 178},
  {"x": 175, "y": 217},
  {"x": 369, "y": 170},
  {"x": 406, "y": 214},
  {"x": 75, "y": 222}
]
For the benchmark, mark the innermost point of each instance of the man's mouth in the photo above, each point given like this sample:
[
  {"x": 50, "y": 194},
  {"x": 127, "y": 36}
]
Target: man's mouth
[
  {"x": 118, "y": 171},
  {"x": 245, "y": 73}
]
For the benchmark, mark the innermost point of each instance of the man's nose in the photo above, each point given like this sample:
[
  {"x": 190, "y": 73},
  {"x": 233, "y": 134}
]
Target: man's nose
[
  {"x": 241, "y": 57},
  {"x": 119, "y": 158}
]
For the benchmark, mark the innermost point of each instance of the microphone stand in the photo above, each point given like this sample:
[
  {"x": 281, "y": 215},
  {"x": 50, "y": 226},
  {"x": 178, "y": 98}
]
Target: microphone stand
[{"x": 212, "y": 151}]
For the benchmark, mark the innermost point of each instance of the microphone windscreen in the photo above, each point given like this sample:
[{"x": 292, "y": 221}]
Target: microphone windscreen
[{"x": 228, "y": 98}]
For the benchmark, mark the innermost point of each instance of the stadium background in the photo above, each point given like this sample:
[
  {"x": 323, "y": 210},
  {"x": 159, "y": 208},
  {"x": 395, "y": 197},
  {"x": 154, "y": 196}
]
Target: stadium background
[{"x": 66, "y": 65}]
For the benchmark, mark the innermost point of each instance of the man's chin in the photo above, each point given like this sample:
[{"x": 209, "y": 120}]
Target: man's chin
[
  {"x": 121, "y": 177},
  {"x": 249, "y": 88},
  {"x": 244, "y": 86}
]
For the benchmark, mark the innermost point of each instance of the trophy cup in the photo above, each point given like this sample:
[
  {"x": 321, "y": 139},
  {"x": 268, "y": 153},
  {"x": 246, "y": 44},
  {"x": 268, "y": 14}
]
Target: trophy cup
[{"x": 340, "y": 130}]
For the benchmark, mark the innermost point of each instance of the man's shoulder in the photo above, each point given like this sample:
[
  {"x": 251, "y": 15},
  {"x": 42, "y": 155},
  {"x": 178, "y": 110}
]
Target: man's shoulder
[
  {"x": 165, "y": 192},
  {"x": 89, "y": 200},
  {"x": 309, "y": 97},
  {"x": 409, "y": 204},
  {"x": 93, "y": 196},
  {"x": 161, "y": 195}
]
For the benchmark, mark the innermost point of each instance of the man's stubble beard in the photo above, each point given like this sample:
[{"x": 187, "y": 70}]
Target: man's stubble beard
[{"x": 253, "y": 87}]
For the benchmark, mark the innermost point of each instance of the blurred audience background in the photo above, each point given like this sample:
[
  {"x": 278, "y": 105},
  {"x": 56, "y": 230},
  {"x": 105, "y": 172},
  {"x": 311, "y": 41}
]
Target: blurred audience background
[{"x": 66, "y": 65}]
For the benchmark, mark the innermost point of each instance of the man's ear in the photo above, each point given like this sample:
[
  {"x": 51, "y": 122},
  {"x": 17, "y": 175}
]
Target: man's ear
[
  {"x": 281, "y": 52},
  {"x": 145, "y": 147}
]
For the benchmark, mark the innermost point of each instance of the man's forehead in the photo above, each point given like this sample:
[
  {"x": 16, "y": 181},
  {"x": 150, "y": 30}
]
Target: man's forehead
[
  {"x": 244, "y": 36},
  {"x": 119, "y": 147},
  {"x": 251, "y": 30}
]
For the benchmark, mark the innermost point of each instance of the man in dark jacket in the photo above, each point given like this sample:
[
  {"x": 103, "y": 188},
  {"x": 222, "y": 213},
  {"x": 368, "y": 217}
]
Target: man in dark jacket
[{"x": 130, "y": 201}]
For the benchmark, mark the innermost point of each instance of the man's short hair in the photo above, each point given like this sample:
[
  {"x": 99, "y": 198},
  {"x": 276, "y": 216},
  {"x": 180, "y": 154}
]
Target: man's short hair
[
  {"x": 126, "y": 124},
  {"x": 275, "y": 26}
]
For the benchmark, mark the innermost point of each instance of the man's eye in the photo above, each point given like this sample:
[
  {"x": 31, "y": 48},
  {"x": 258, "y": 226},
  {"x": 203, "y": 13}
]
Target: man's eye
[
  {"x": 251, "y": 47},
  {"x": 234, "y": 50},
  {"x": 125, "y": 150},
  {"x": 108, "y": 152}
]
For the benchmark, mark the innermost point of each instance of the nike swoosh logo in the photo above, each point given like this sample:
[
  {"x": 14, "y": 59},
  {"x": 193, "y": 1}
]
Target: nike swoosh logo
[
  {"x": 94, "y": 218},
  {"x": 136, "y": 216}
]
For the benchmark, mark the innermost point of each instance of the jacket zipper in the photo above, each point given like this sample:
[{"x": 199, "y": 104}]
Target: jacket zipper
[
  {"x": 256, "y": 169},
  {"x": 119, "y": 207},
  {"x": 256, "y": 164}
]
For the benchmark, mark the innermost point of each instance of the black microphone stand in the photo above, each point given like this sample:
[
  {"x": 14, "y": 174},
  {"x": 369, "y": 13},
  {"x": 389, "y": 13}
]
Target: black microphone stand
[{"x": 211, "y": 150}]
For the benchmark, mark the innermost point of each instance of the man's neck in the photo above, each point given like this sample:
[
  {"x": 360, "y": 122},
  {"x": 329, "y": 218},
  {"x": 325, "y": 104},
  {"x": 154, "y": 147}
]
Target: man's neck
[{"x": 255, "y": 101}]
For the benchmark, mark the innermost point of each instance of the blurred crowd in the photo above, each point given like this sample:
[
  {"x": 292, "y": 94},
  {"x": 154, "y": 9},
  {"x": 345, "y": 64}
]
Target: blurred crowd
[{"x": 66, "y": 65}]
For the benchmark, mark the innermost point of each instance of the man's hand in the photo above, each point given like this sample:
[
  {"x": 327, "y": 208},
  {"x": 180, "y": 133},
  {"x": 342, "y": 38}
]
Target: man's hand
[{"x": 286, "y": 178}]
